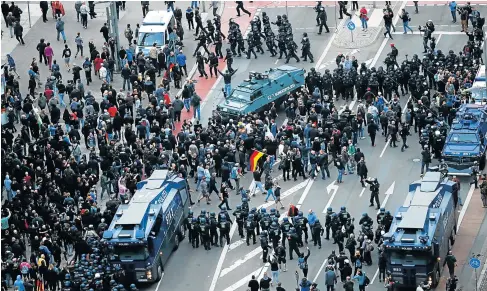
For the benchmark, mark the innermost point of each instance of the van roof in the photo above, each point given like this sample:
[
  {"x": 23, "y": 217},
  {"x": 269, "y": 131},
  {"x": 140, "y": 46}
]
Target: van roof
[{"x": 160, "y": 18}]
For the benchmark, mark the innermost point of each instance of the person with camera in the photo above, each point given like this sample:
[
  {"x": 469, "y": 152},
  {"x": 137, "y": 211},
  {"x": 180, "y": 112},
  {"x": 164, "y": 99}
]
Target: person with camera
[{"x": 374, "y": 191}]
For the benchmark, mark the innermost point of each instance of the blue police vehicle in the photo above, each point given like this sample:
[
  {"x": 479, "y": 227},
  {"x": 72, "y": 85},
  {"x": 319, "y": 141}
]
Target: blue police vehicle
[
  {"x": 465, "y": 144},
  {"x": 256, "y": 93},
  {"x": 422, "y": 232},
  {"x": 145, "y": 232}
]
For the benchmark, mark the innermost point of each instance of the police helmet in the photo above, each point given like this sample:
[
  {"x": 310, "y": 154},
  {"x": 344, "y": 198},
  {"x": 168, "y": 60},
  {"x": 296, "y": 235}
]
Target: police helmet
[
  {"x": 263, "y": 233},
  {"x": 224, "y": 208},
  {"x": 329, "y": 209},
  {"x": 251, "y": 216},
  {"x": 202, "y": 220},
  {"x": 212, "y": 214},
  {"x": 132, "y": 286},
  {"x": 194, "y": 219},
  {"x": 262, "y": 210},
  {"x": 343, "y": 208},
  {"x": 254, "y": 209},
  {"x": 244, "y": 199},
  {"x": 239, "y": 207},
  {"x": 300, "y": 214},
  {"x": 203, "y": 212},
  {"x": 113, "y": 283},
  {"x": 382, "y": 209},
  {"x": 285, "y": 219},
  {"x": 273, "y": 210},
  {"x": 67, "y": 277},
  {"x": 365, "y": 214},
  {"x": 190, "y": 212}
]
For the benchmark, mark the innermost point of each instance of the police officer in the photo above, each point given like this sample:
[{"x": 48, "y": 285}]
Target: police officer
[
  {"x": 293, "y": 243},
  {"x": 329, "y": 213},
  {"x": 204, "y": 230},
  {"x": 285, "y": 228},
  {"x": 280, "y": 252},
  {"x": 374, "y": 192},
  {"x": 291, "y": 47},
  {"x": 270, "y": 42},
  {"x": 323, "y": 18},
  {"x": 264, "y": 244},
  {"x": 274, "y": 233},
  {"x": 229, "y": 59},
  {"x": 213, "y": 224},
  {"x": 306, "y": 48},
  {"x": 317, "y": 232},
  {"x": 251, "y": 44},
  {"x": 194, "y": 230},
  {"x": 239, "y": 218},
  {"x": 201, "y": 43},
  {"x": 187, "y": 225},
  {"x": 250, "y": 228},
  {"x": 224, "y": 226},
  {"x": 200, "y": 61},
  {"x": 281, "y": 44}
]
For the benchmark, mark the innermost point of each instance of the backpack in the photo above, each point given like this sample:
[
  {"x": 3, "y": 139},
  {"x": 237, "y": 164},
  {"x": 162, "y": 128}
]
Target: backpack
[
  {"x": 25, "y": 270},
  {"x": 367, "y": 280},
  {"x": 358, "y": 263},
  {"x": 301, "y": 263}
]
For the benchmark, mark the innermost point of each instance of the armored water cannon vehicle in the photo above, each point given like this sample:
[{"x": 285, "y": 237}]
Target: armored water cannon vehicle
[
  {"x": 260, "y": 90},
  {"x": 422, "y": 232},
  {"x": 465, "y": 144},
  {"x": 144, "y": 232}
]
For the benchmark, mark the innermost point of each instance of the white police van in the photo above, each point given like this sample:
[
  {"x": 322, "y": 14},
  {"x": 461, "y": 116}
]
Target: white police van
[
  {"x": 154, "y": 29},
  {"x": 479, "y": 88}
]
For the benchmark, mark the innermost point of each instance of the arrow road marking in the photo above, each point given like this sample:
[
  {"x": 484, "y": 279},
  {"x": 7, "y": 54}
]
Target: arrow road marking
[
  {"x": 331, "y": 188},
  {"x": 388, "y": 194}
]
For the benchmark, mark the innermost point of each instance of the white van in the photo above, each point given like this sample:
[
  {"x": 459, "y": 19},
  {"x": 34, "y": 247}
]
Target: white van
[{"x": 154, "y": 30}]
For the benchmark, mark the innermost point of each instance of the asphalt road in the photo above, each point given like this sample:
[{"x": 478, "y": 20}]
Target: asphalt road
[
  {"x": 395, "y": 170},
  {"x": 214, "y": 270}
]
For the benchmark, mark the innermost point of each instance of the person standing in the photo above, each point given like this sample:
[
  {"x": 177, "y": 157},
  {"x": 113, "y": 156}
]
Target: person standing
[
  {"x": 362, "y": 279},
  {"x": 181, "y": 60},
  {"x": 453, "y": 11},
  {"x": 372, "y": 130},
  {"x": 227, "y": 79},
  {"x": 265, "y": 282},
  {"x": 44, "y": 5},
  {"x": 253, "y": 284},
  {"x": 19, "y": 31},
  {"x": 330, "y": 279},
  {"x": 214, "y": 5},
  {"x": 483, "y": 191},
  {"x": 240, "y": 6},
  {"x": 145, "y": 7},
  {"x": 364, "y": 18},
  {"x": 196, "y": 103},
  {"x": 67, "y": 57},
  {"x": 84, "y": 10},
  {"x": 129, "y": 34},
  {"x": 6, "y": 10}
]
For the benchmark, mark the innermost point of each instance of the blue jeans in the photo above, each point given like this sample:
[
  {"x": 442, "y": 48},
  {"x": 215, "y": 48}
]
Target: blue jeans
[
  {"x": 273, "y": 159},
  {"x": 62, "y": 33},
  {"x": 198, "y": 183},
  {"x": 170, "y": 6},
  {"x": 364, "y": 23},
  {"x": 228, "y": 90},
  {"x": 424, "y": 167},
  {"x": 197, "y": 111},
  {"x": 126, "y": 81},
  {"x": 9, "y": 195},
  {"x": 454, "y": 15},
  {"x": 68, "y": 127},
  {"x": 270, "y": 192},
  {"x": 275, "y": 277},
  {"x": 405, "y": 25},
  {"x": 340, "y": 176},
  {"x": 194, "y": 4},
  {"x": 259, "y": 185},
  {"x": 354, "y": 137},
  {"x": 187, "y": 103},
  {"x": 313, "y": 170},
  {"x": 61, "y": 99}
]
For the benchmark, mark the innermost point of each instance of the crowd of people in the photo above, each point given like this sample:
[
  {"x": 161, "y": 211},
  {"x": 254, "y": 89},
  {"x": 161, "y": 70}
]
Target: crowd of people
[{"x": 54, "y": 212}]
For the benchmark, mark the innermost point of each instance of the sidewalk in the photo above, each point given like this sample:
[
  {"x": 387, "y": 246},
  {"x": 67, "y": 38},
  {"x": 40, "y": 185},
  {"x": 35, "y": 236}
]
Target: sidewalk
[
  {"x": 9, "y": 44},
  {"x": 470, "y": 239}
]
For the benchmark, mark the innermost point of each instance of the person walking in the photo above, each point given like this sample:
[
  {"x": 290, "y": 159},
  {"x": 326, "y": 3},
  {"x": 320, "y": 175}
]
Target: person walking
[
  {"x": 364, "y": 18},
  {"x": 67, "y": 57},
  {"x": 60, "y": 29},
  {"x": 405, "y": 20},
  {"x": 362, "y": 280},
  {"x": 330, "y": 279},
  {"x": 451, "y": 262},
  {"x": 387, "y": 24},
  {"x": 10, "y": 21},
  {"x": 19, "y": 31},
  {"x": 84, "y": 10},
  {"x": 49, "y": 53},
  {"x": 240, "y": 6}
]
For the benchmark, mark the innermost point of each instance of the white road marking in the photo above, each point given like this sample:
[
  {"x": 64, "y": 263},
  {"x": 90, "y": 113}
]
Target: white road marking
[
  {"x": 160, "y": 281},
  {"x": 465, "y": 206},
  {"x": 385, "y": 148},
  {"x": 234, "y": 245},
  {"x": 239, "y": 262},
  {"x": 375, "y": 276},
  {"x": 277, "y": 61},
  {"x": 331, "y": 188},
  {"x": 388, "y": 194},
  {"x": 244, "y": 280},
  {"x": 482, "y": 274},
  {"x": 319, "y": 271},
  {"x": 362, "y": 192},
  {"x": 435, "y": 33},
  {"x": 306, "y": 191},
  {"x": 384, "y": 42}
]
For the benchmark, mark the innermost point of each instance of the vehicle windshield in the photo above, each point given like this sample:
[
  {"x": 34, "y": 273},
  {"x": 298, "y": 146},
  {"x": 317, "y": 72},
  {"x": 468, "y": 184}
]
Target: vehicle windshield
[
  {"x": 135, "y": 252},
  {"x": 464, "y": 138},
  {"x": 240, "y": 95},
  {"x": 404, "y": 257},
  {"x": 478, "y": 93},
  {"x": 149, "y": 38}
]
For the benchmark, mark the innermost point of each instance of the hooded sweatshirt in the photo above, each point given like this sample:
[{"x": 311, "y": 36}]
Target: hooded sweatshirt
[{"x": 19, "y": 283}]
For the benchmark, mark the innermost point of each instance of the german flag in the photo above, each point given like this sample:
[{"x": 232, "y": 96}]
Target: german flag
[{"x": 254, "y": 159}]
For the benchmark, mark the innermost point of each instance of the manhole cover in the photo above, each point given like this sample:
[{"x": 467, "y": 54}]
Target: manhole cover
[{"x": 416, "y": 160}]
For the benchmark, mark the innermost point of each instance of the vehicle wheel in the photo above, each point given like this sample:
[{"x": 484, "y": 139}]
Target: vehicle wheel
[
  {"x": 176, "y": 241},
  {"x": 181, "y": 232},
  {"x": 159, "y": 272},
  {"x": 436, "y": 279},
  {"x": 482, "y": 162}
]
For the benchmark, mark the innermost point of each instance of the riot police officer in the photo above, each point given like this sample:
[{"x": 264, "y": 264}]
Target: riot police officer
[
  {"x": 224, "y": 226},
  {"x": 374, "y": 192},
  {"x": 306, "y": 48},
  {"x": 291, "y": 50},
  {"x": 213, "y": 224},
  {"x": 317, "y": 232},
  {"x": 239, "y": 218},
  {"x": 250, "y": 228},
  {"x": 204, "y": 231},
  {"x": 264, "y": 244},
  {"x": 329, "y": 213}
]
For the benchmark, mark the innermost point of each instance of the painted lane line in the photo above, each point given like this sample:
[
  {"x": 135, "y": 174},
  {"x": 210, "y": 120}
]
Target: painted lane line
[
  {"x": 239, "y": 262},
  {"x": 160, "y": 281},
  {"x": 388, "y": 193},
  {"x": 465, "y": 206},
  {"x": 330, "y": 42},
  {"x": 435, "y": 33},
  {"x": 236, "y": 244},
  {"x": 482, "y": 274},
  {"x": 331, "y": 188},
  {"x": 375, "y": 276},
  {"x": 362, "y": 192},
  {"x": 321, "y": 269},
  {"x": 385, "y": 148},
  {"x": 384, "y": 42},
  {"x": 244, "y": 280},
  {"x": 286, "y": 194},
  {"x": 306, "y": 191}
]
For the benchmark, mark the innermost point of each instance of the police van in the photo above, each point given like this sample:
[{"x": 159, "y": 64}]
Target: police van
[
  {"x": 479, "y": 88},
  {"x": 154, "y": 29}
]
